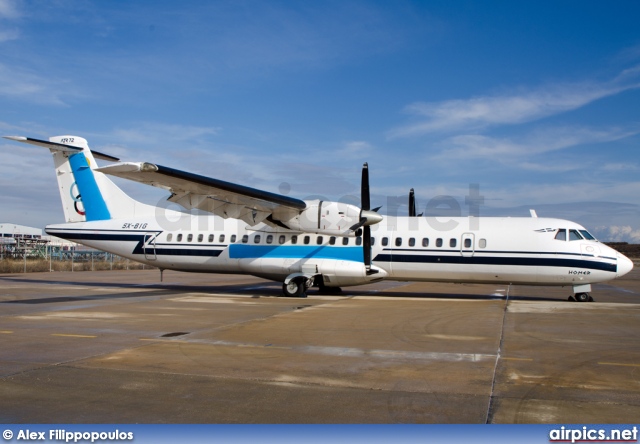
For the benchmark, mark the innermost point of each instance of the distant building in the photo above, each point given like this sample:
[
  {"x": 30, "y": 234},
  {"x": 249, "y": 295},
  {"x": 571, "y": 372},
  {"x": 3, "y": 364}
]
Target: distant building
[
  {"x": 20, "y": 240},
  {"x": 16, "y": 231}
]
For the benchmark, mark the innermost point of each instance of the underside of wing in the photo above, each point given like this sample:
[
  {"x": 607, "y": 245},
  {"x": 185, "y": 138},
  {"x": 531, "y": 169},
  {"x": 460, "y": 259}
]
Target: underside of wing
[{"x": 216, "y": 196}]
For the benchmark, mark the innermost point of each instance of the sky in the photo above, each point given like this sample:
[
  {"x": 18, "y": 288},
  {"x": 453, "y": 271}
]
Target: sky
[{"x": 533, "y": 104}]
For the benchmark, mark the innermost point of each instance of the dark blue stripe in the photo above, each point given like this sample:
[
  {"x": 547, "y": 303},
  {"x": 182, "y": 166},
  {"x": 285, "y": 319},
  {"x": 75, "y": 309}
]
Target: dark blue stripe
[
  {"x": 495, "y": 260},
  {"x": 139, "y": 238}
]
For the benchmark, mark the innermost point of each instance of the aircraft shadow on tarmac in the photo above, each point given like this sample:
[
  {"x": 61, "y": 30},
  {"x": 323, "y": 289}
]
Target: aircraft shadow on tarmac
[{"x": 266, "y": 289}]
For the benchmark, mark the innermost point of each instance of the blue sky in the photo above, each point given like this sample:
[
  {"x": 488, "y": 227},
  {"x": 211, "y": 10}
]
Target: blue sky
[{"x": 536, "y": 102}]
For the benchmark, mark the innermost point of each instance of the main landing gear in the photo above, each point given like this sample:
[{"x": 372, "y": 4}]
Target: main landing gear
[
  {"x": 581, "y": 297},
  {"x": 296, "y": 287}
]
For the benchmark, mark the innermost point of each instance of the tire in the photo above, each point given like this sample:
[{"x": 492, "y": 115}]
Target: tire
[
  {"x": 582, "y": 297},
  {"x": 295, "y": 288}
]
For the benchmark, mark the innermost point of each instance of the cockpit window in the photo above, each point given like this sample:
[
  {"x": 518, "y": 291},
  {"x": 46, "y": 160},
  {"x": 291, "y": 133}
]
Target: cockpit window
[
  {"x": 587, "y": 235},
  {"x": 561, "y": 234},
  {"x": 574, "y": 235}
]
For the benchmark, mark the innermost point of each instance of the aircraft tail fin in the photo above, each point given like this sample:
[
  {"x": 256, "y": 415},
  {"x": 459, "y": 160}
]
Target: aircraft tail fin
[{"x": 86, "y": 194}]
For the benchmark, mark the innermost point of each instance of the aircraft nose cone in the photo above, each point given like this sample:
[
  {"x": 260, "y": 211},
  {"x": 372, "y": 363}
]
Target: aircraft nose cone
[{"x": 624, "y": 265}]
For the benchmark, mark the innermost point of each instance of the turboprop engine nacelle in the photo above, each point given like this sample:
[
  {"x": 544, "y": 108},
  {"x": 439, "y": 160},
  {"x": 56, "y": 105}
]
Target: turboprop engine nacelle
[{"x": 323, "y": 217}]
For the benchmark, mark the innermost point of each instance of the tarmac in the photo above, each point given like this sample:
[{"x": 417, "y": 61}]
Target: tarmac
[{"x": 123, "y": 347}]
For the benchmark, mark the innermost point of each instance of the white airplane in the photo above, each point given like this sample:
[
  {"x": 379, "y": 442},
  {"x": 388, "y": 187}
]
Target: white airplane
[{"x": 311, "y": 243}]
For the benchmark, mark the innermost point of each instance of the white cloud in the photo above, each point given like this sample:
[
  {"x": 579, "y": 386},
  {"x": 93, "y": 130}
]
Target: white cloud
[
  {"x": 519, "y": 152},
  {"x": 356, "y": 149},
  {"x": 9, "y": 9},
  {"x": 485, "y": 111},
  {"x": 619, "y": 233},
  {"x": 162, "y": 135},
  {"x": 620, "y": 167},
  {"x": 8, "y": 34},
  {"x": 25, "y": 84}
]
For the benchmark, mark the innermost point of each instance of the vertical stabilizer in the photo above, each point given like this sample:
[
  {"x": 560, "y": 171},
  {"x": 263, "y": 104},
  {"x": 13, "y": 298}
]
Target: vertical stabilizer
[
  {"x": 86, "y": 194},
  {"x": 82, "y": 198}
]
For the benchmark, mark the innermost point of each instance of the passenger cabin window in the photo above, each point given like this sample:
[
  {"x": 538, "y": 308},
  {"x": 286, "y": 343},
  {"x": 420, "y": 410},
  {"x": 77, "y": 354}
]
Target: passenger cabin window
[
  {"x": 200, "y": 237},
  {"x": 425, "y": 242},
  {"x": 398, "y": 242},
  {"x": 439, "y": 242},
  {"x": 256, "y": 239},
  {"x": 385, "y": 241},
  {"x": 180, "y": 237},
  {"x": 359, "y": 240},
  {"x": 211, "y": 238},
  {"x": 270, "y": 239},
  {"x": 169, "y": 236},
  {"x": 345, "y": 241},
  {"x": 482, "y": 243},
  {"x": 233, "y": 238},
  {"x": 294, "y": 239},
  {"x": 221, "y": 238},
  {"x": 245, "y": 238},
  {"x": 306, "y": 240},
  {"x": 467, "y": 243},
  {"x": 332, "y": 240},
  {"x": 319, "y": 240},
  {"x": 453, "y": 243},
  {"x": 190, "y": 238},
  {"x": 373, "y": 241},
  {"x": 281, "y": 239},
  {"x": 574, "y": 235},
  {"x": 412, "y": 242},
  {"x": 561, "y": 234}
]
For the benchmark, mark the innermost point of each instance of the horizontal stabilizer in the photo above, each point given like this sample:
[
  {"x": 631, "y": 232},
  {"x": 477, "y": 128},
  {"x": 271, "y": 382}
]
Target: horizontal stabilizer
[{"x": 60, "y": 147}]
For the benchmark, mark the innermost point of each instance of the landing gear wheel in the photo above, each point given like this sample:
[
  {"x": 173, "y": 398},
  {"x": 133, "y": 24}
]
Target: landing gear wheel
[
  {"x": 295, "y": 288},
  {"x": 583, "y": 297}
]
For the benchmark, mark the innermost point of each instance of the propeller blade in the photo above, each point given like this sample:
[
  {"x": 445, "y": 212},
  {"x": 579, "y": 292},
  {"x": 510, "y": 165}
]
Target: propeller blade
[
  {"x": 365, "y": 199},
  {"x": 367, "y": 218},
  {"x": 360, "y": 224},
  {"x": 366, "y": 247},
  {"x": 412, "y": 203}
]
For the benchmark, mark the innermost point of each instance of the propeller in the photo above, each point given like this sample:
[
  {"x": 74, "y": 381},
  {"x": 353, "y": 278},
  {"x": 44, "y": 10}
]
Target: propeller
[{"x": 368, "y": 217}]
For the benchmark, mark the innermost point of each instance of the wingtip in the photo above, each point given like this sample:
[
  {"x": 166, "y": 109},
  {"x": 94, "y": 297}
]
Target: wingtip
[{"x": 17, "y": 138}]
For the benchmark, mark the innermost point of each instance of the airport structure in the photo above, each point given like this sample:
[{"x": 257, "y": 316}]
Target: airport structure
[{"x": 20, "y": 242}]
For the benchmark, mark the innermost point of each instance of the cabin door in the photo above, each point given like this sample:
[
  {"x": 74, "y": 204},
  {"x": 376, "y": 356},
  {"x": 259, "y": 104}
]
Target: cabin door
[{"x": 149, "y": 246}]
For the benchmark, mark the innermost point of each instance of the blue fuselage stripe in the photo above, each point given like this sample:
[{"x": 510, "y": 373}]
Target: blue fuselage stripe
[{"x": 241, "y": 251}]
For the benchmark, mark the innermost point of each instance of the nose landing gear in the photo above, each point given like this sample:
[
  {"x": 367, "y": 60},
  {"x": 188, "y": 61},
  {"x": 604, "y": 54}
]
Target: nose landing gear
[{"x": 581, "y": 297}]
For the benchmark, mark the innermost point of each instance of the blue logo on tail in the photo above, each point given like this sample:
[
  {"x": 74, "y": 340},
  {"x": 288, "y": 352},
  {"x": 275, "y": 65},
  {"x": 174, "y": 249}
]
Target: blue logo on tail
[{"x": 89, "y": 195}]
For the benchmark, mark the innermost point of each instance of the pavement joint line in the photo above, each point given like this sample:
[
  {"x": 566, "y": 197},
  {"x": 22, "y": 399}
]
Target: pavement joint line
[
  {"x": 65, "y": 335},
  {"x": 489, "y": 416},
  {"x": 620, "y": 364},
  {"x": 517, "y": 359}
]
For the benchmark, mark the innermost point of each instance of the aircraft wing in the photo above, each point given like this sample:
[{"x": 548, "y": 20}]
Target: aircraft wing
[{"x": 216, "y": 196}]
